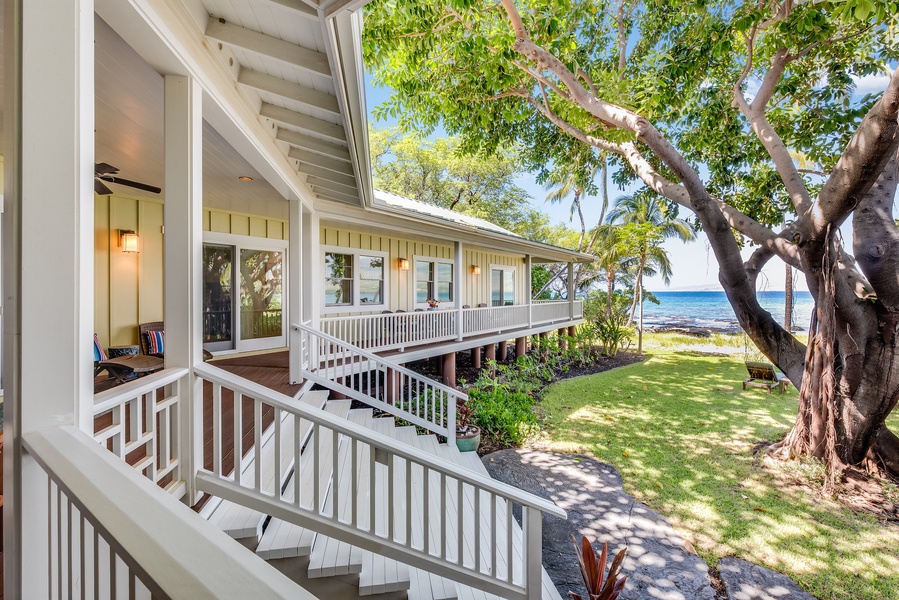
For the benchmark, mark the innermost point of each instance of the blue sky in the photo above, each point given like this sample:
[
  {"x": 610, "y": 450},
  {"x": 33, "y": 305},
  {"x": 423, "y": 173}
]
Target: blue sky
[{"x": 694, "y": 264}]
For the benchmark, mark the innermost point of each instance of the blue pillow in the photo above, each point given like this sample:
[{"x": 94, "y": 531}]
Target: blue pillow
[
  {"x": 156, "y": 342},
  {"x": 99, "y": 355}
]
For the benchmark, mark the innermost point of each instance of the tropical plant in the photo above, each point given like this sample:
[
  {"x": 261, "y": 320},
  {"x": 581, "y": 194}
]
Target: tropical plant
[
  {"x": 593, "y": 570},
  {"x": 613, "y": 333}
]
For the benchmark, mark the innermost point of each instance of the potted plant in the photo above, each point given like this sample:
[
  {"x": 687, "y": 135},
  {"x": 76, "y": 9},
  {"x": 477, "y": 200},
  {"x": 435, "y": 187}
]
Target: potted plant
[{"x": 468, "y": 435}]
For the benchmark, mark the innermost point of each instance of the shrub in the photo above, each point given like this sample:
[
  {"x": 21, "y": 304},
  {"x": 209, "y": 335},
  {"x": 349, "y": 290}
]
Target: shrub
[
  {"x": 507, "y": 417},
  {"x": 612, "y": 333}
]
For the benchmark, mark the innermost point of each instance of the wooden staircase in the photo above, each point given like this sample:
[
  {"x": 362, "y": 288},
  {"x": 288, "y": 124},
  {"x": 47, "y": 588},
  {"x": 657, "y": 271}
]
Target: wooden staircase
[{"x": 333, "y": 569}]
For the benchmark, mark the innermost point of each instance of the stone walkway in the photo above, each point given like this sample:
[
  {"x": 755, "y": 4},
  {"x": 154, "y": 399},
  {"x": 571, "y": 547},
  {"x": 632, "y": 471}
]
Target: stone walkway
[{"x": 658, "y": 565}]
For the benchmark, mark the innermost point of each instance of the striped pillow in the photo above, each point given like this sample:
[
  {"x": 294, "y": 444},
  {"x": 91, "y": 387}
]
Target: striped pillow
[
  {"x": 99, "y": 355},
  {"x": 156, "y": 342}
]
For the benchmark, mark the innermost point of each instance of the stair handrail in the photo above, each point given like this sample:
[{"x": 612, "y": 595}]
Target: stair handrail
[
  {"x": 353, "y": 533},
  {"x": 454, "y": 396}
]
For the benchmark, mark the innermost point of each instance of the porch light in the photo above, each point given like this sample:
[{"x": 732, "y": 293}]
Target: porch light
[
  {"x": 403, "y": 264},
  {"x": 475, "y": 270},
  {"x": 128, "y": 240},
  {"x": 245, "y": 178}
]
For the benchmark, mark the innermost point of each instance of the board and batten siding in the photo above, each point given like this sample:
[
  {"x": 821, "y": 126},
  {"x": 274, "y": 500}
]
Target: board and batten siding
[
  {"x": 401, "y": 283},
  {"x": 128, "y": 287}
]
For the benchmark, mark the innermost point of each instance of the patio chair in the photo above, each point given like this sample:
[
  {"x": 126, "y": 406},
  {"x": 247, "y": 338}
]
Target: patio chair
[
  {"x": 121, "y": 368},
  {"x": 764, "y": 375}
]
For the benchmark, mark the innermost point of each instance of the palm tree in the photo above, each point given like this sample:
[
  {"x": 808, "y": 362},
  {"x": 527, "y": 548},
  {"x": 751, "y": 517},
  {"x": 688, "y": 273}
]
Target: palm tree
[{"x": 647, "y": 222}]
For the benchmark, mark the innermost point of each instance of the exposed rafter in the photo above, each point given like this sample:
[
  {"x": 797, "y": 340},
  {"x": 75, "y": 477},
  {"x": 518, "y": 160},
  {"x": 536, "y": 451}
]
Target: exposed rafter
[
  {"x": 329, "y": 195},
  {"x": 317, "y": 160},
  {"x": 306, "y": 142},
  {"x": 289, "y": 90},
  {"x": 295, "y": 119},
  {"x": 265, "y": 45},
  {"x": 297, "y": 7},
  {"x": 330, "y": 185},
  {"x": 331, "y": 176}
]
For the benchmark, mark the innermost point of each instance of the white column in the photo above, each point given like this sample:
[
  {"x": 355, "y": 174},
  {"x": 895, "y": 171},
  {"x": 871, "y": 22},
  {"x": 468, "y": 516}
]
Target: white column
[
  {"x": 297, "y": 273},
  {"x": 183, "y": 259},
  {"x": 528, "y": 289},
  {"x": 571, "y": 290},
  {"x": 458, "y": 289},
  {"x": 313, "y": 274},
  {"x": 48, "y": 240}
]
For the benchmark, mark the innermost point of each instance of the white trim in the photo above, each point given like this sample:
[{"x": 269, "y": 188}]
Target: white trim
[
  {"x": 495, "y": 267},
  {"x": 356, "y": 306},
  {"x": 425, "y": 258}
]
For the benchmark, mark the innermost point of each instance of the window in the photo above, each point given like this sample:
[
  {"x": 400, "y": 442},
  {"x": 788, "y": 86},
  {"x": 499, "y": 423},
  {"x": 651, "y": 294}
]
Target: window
[
  {"x": 433, "y": 279},
  {"x": 338, "y": 279},
  {"x": 354, "y": 278},
  {"x": 502, "y": 286}
]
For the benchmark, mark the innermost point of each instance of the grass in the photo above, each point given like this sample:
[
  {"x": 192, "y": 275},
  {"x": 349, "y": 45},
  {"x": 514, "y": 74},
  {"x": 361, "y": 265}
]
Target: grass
[{"x": 680, "y": 431}]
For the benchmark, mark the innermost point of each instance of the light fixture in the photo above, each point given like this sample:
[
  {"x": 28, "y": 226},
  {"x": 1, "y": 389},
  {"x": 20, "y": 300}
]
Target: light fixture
[
  {"x": 475, "y": 270},
  {"x": 245, "y": 178},
  {"x": 128, "y": 240},
  {"x": 403, "y": 264}
]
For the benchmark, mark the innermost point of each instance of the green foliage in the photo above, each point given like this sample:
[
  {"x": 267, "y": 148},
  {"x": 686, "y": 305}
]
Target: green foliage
[
  {"x": 505, "y": 416},
  {"x": 612, "y": 332}
]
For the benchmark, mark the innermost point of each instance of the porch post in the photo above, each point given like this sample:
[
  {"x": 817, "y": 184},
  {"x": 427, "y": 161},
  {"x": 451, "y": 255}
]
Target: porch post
[
  {"x": 311, "y": 257},
  {"x": 48, "y": 241},
  {"x": 529, "y": 291},
  {"x": 183, "y": 260},
  {"x": 458, "y": 278},
  {"x": 571, "y": 290},
  {"x": 297, "y": 273}
]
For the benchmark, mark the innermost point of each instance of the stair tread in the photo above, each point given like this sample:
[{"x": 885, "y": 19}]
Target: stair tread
[
  {"x": 287, "y": 540},
  {"x": 240, "y": 521}
]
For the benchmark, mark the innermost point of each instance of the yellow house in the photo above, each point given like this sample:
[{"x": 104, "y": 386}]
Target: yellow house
[{"x": 247, "y": 222}]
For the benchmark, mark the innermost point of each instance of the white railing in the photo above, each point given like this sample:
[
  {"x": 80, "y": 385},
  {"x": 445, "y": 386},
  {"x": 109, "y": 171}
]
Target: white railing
[
  {"x": 494, "y": 319},
  {"x": 545, "y": 311},
  {"x": 440, "y": 517},
  {"x": 398, "y": 331},
  {"x": 392, "y": 330},
  {"x": 110, "y": 533},
  {"x": 379, "y": 382},
  {"x": 139, "y": 422}
]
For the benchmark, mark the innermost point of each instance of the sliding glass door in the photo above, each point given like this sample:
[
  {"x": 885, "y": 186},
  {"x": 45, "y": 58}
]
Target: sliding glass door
[{"x": 243, "y": 296}]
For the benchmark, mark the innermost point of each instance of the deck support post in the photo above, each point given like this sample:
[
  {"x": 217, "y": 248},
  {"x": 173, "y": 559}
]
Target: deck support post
[
  {"x": 503, "y": 351},
  {"x": 183, "y": 218},
  {"x": 521, "y": 346},
  {"x": 543, "y": 336},
  {"x": 449, "y": 369},
  {"x": 572, "y": 331},
  {"x": 476, "y": 357},
  {"x": 490, "y": 352},
  {"x": 48, "y": 260},
  {"x": 563, "y": 341}
]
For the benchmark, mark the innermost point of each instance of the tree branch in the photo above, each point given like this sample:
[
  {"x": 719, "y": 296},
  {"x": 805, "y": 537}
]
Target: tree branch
[
  {"x": 876, "y": 238},
  {"x": 868, "y": 152}
]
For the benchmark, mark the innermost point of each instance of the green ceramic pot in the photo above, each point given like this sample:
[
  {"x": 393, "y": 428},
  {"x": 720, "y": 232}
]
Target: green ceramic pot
[{"x": 470, "y": 441}]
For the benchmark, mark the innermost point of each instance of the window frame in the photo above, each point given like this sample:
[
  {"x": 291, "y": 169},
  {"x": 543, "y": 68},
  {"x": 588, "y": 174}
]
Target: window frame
[
  {"x": 357, "y": 305},
  {"x": 433, "y": 260},
  {"x": 504, "y": 268}
]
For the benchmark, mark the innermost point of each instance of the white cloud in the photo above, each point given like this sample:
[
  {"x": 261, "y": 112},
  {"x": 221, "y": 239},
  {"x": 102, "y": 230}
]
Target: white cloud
[{"x": 872, "y": 83}]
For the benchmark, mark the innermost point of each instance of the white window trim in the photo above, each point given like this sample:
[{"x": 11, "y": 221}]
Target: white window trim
[
  {"x": 244, "y": 242},
  {"x": 422, "y": 257},
  {"x": 514, "y": 269},
  {"x": 356, "y": 306}
]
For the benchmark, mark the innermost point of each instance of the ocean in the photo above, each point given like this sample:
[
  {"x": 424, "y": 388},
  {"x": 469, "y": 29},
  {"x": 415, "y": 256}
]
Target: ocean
[{"x": 712, "y": 310}]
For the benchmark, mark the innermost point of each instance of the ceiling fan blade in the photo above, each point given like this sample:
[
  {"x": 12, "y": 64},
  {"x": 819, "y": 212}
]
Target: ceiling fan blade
[
  {"x": 134, "y": 184},
  {"x": 104, "y": 169},
  {"x": 100, "y": 188}
]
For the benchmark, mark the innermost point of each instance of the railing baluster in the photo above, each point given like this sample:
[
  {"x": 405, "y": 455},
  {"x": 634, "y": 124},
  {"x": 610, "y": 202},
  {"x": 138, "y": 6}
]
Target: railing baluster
[
  {"x": 354, "y": 484},
  {"x": 493, "y": 537},
  {"x": 277, "y": 424},
  {"x": 426, "y": 512},
  {"x": 460, "y": 522},
  {"x": 443, "y": 511},
  {"x": 237, "y": 446},
  {"x": 297, "y": 449},
  {"x": 316, "y": 502},
  {"x": 335, "y": 476},
  {"x": 409, "y": 466},
  {"x": 216, "y": 429},
  {"x": 257, "y": 444},
  {"x": 510, "y": 557},
  {"x": 372, "y": 505}
]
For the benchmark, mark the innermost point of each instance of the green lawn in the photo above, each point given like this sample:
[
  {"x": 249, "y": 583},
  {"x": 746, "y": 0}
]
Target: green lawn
[{"x": 680, "y": 431}]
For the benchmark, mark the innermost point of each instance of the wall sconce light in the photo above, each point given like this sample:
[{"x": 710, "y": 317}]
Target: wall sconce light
[
  {"x": 128, "y": 240},
  {"x": 403, "y": 264},
  {"x": 475, "y": 270}
]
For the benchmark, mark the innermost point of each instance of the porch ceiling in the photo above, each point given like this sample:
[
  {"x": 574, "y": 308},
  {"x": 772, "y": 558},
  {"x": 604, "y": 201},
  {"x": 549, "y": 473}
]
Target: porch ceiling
[{"x": 276, "y": 53}]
